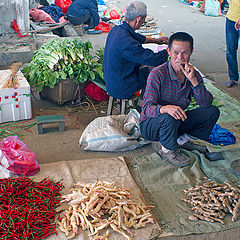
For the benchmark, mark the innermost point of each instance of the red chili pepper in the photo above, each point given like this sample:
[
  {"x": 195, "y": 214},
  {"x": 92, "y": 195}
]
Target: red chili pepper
[{"x": 28, "y": 208}]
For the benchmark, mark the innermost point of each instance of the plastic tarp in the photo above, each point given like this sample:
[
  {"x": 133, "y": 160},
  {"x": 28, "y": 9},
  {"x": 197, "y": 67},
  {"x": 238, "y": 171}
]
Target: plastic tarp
[
  {"x": 165, "y": 184},
  {"x": 89, "y": 170}
]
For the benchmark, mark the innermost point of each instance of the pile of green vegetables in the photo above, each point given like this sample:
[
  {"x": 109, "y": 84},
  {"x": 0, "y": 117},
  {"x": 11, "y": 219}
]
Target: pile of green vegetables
[{"x": 60, "y": 59}]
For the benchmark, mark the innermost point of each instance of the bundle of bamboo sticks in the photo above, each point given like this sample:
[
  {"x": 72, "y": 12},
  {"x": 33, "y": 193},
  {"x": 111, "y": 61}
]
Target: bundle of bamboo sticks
[{"x": 12, "y": 81}]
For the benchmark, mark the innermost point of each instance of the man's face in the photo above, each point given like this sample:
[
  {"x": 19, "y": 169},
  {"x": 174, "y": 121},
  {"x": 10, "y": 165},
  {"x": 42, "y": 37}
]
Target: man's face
[
  {"x": 140, "y": 22},
  {"x": 180, "y": 53}
]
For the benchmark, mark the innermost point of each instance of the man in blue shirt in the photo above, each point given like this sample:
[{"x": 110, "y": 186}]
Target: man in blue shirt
[
  {"x": 124, "y": 55},
  {"x": 82, "y": 11}
]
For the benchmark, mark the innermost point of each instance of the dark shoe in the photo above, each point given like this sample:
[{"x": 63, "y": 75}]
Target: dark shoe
[
  {"x": 230, "y": 83},
  {"x": 175, "y": 157},
  {"x": 190, "y": 146},
  {"x": 94, "y": 32}
]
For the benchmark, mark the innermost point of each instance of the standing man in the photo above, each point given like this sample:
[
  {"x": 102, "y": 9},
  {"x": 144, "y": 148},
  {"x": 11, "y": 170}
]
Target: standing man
[
  {"x": 169, "y": 90},
  {"x": 124, "y": 55},
  {"x": 232, "y": 38}
]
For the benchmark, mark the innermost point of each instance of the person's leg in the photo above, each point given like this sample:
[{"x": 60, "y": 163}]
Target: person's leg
[
  {"x": 163, "y": 128},
  {"x": 232, "y": 37},
  {"x": 200, "y": 122},
  {"x": 90, "y": 23},
  {"x": 91, "y": 26},
  {"x": 223, "y": 5},
  {"x": 79, "y": 20}
]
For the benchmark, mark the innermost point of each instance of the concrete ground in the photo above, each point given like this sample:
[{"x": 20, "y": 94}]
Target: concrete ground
[{"x": 208, "y": 57}]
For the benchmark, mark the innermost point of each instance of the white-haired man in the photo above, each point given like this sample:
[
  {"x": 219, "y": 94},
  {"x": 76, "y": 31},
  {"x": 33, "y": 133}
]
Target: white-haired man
[{"x": 124, "y": 55}]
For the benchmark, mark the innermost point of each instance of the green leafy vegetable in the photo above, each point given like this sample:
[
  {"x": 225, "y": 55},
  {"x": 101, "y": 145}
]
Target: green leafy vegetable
[{"x": 59, "y": 59}]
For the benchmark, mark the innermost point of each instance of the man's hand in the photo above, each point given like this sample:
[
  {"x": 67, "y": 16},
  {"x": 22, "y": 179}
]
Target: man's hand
[
  {"x": 237, "y": 25},
  {"x": 189, "y": 71},
  {"x": 162, "y": 40},
  {"x": 175, "y": 111}
]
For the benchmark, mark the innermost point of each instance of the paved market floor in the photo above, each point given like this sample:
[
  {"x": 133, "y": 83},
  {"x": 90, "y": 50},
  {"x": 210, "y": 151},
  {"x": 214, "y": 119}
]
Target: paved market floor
[{"x": 208, "y": 57}]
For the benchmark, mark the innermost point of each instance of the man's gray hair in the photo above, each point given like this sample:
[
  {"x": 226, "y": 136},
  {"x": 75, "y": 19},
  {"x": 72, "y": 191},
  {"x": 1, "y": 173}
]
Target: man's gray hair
[{"x": 134, "y": 10}]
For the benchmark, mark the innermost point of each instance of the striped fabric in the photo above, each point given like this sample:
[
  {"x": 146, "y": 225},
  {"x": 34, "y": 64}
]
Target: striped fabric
[{"x": 163, "y": 88}]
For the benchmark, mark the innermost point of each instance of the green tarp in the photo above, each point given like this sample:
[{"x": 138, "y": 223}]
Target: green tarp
[{"x": 165, "y": 184}]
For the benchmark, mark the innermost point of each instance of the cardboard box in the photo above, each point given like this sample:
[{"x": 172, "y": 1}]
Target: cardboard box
[{"x": 15, "y": 104}]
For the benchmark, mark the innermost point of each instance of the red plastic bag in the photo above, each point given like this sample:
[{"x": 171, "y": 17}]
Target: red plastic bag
[
  {"x": 64, "y": 4},
  {"x": 95, "y": 92},
  {"x": 114, "y": 14},
  {"x": 17, "y": 157},
  {"x": 105, "y": 27},
  {"x": 16, "y": 28}
]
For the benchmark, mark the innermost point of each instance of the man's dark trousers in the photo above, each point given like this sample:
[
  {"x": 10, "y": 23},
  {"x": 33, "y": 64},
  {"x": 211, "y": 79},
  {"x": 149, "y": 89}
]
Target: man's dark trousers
[{"x": 166, "y": 129}]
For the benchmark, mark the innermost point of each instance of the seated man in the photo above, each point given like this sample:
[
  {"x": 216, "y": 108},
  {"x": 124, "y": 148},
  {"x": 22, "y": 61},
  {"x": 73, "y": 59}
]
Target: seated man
[
  {"x": 169, "y": 90},
  {"x": 124, "y": 54},
  {"x": 82, "y": 11}
]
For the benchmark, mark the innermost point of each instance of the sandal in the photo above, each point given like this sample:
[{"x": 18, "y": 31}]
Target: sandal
[
  {"x": 94, "y": 31},
  {"x": 230, "y": 83}
]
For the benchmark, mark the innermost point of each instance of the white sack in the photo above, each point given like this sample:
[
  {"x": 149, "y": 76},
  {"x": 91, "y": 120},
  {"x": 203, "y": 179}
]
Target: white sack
[{"x": 113, "y": 133}]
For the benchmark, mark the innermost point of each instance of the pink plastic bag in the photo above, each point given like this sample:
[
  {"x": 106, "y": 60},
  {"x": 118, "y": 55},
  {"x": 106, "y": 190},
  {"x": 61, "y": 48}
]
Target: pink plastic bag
[
  {"x": 17, "y": 157},
  {"x": 39, "y": 15}
]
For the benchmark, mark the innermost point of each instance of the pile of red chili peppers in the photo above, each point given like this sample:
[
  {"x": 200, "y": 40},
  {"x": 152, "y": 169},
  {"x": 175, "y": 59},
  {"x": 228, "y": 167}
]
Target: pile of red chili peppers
[{"x": 28, "y": 208}]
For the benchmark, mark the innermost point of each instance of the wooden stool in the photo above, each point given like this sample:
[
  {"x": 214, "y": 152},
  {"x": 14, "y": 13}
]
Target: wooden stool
[
  {"x": 60, "y": 119},
  {"x": 122, "y": 105}
]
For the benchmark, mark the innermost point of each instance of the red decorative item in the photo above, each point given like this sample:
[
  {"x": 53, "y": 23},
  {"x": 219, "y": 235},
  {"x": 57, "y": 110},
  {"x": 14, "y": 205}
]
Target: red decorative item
[
  {"x": 114, "y": 14},
  {"x": 105, "y": 27},
  {"x": 95, "y": 92},
  {"x": 138, "y": 93},
  {"x": 63, "y": 4},
  {"x": 16, "y": 28}
]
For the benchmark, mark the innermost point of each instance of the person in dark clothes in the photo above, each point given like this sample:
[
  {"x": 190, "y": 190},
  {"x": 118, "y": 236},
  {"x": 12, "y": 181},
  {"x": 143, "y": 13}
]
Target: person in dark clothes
[
  {"x": 124, "y": 56},
  {"x": 82, "y": 11}
]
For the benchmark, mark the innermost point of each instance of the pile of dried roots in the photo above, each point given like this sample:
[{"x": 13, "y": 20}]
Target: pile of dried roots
[
  {"x": 97, "y": 206},
  {"x": 211, "y": 201}
]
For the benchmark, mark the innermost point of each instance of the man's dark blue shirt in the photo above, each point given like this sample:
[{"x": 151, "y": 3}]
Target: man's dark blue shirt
[{"x": 123, "y": 56}]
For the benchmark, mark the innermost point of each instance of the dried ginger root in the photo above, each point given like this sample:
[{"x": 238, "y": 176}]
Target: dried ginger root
[
  {"x": 12, "y": 81},
  {"x": 97, "y": 206},
  {"x": 211, "y": 201}
]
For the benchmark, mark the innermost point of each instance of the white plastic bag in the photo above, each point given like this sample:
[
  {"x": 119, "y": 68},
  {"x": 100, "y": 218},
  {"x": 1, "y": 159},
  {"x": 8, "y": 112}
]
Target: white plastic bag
[
  {"x": 212, "y": 8},
  {"x": 113, "y": 133}
]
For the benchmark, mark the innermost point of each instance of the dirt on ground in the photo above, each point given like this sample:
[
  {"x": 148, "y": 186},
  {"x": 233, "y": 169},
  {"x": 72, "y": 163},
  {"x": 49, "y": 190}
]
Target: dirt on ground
[{"x": 53, "y": 146}]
